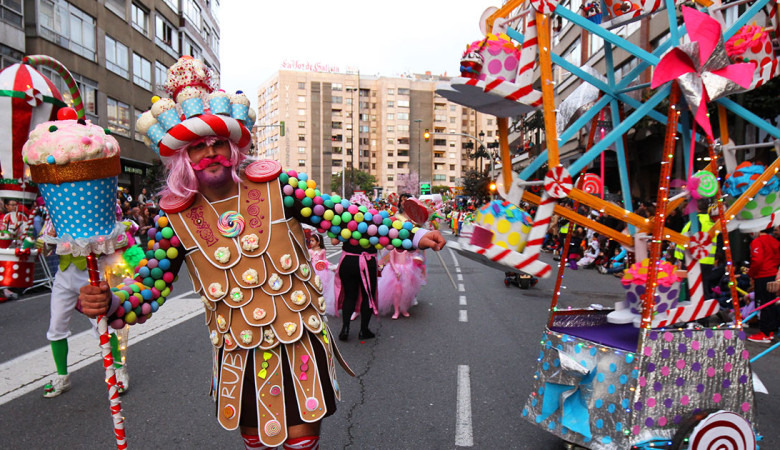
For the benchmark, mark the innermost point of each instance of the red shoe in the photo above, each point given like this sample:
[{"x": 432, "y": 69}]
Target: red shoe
[{"x": 761, "y": 338}]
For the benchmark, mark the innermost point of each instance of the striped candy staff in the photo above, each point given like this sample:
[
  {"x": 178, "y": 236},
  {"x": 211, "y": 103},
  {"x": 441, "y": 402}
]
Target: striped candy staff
[
  {"x": 48, "y": 61},
  {"x": 545, "y": 7}
]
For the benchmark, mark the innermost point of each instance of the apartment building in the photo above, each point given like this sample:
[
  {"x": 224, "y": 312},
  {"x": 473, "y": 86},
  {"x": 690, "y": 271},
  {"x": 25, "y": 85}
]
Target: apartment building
[
  {"x": 118, "y": 52},
  {"x": 372, "y": 123}
]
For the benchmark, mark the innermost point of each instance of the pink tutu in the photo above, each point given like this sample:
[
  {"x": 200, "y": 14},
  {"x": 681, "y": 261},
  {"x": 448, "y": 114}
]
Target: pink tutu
[
  {"x": 323, "y": 268},
  {"x": 400, "y": 282}
]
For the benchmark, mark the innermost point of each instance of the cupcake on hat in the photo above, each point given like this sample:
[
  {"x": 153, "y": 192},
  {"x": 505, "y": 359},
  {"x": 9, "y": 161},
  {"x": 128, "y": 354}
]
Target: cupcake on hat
[{"x": 194, "y": 110}]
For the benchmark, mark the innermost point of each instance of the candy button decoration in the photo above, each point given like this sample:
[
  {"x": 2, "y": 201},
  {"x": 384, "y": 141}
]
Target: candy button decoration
[
  {"x": 230, "y": 224},
  {"x": 708, "y": 184},
  {"x": 545, "y": 7},
  {"x": 558, "y": 182},
  {"x": 272, "y": 427},
  {"x": 699, "y": 245}
]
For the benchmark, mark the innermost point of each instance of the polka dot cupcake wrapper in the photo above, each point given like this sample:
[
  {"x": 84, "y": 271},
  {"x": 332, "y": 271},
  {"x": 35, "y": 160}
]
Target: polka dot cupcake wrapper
[
  {"x": 155, "y": 133},
  {"x": 169, "y": 119},
  {"x": 192, "y": 107},
  {"x": 239, "y": 112},
  {"x": 219, "y": 105},
  {"x": 82, "y": 209},
  {"x": 760, "y": 206}
]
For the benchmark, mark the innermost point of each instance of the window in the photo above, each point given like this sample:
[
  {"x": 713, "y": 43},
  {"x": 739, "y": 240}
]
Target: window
[
  {"x": 118, "y": 117},
  {"x": 136, "y": 135},
  {"x": 174, "y": 4},
  {"x": 403, "y": 103},
  {"x": 11, "y": 12},
  {"x": 302, "y": 99},
  {"x": 192, "y": 12},
  {"x": 390, "y": 116},
  {"x": 337, "y": 86},
  {"x": 348, "y": 101},
  {"x": 142, "y": 71},
  {"x": 117, "y": 57},
  {"x": 390, "y": 128},
  {"x": 402, "y": 116},
  {"x": 452, "y": 108},
  {"x": 364, "y": 129},
  {"x": 389, "y": 178},
  {"x": 389, "y": 165},
  {"x": 87, "y": 87},
  {"x": 301, "y": 137},
  {"x": 440, "y": 118},
  {"x": 301, "y": 149},
  {"x": 301, "y": 163},
  {"x": 140, "y": 19},
  {"x": 301, "y": 85},
  {"x": 68, "y": 26},
  {"x": 190, "y": 48},
  {"x": 403, "y": 91},
  {"x": 439, "y": 177},
  {"x": 301, "y": 124},
  {"x": 452, "y": 120},
  {"x": 452, "y": 166},
  {"x": 390, "y": 154},
  {"x": 166, "y": 36},
  {"x": 301, "y": 112},
  {"x": 403, "y": 127},
  {"x": 391, "y": 92},
  {"x": 490, "y": 133},
  {"x": 390, "y": 104},
  {"x": 337, "y": 100},
  {"x": 160, "y": 75},
  {"x": 118, "y": 7}
]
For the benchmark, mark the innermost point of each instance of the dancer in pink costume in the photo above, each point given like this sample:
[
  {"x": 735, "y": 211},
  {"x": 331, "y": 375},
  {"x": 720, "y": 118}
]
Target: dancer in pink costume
[
  {"x": 325, "y": 270},
  {"x": 399, "y": 284}
]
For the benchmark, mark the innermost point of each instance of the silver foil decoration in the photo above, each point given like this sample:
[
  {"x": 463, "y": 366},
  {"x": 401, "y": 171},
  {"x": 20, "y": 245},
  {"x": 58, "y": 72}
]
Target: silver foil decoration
[
  {"x": 645, "y": 394},
  {"x": 578, "y": 102}
]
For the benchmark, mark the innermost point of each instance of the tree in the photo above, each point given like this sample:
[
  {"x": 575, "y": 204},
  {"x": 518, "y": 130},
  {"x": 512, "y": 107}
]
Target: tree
[
  {"x": 476, "y": 184},
  {"x": 440, "y": 189},
  {"x": 408, "y": 183},
  {"x": 354, "y": 180}
]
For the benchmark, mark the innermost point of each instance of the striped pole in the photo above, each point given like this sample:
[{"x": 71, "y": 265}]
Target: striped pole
[{"x": 43, "y": 60}]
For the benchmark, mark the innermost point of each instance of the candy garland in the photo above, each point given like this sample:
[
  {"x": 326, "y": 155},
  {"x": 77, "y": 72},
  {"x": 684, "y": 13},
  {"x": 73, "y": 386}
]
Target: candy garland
[
  {"x": 342, "y": 220},
  {"x": 142, "y": 295}
]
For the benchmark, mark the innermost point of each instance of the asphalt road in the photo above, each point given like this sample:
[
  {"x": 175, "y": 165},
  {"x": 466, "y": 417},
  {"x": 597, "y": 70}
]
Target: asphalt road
[{"x": 454, "y": 374}]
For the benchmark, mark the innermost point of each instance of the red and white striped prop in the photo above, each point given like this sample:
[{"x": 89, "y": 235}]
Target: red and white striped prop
[
  {"x": 545, "y": 7},
  {"x": 590, "y": 183},
  {"x": 521, "y": 93},
  {"x": 723, "y": 430},
  {"x": 558, "y": 182},
  {"x": 527, "y": 262},
  {"x": 27, "y": 98},
  {"x": 113, "y": 392},
  {"x": 201, "y": 126},
  {"x": 698, "y": 308},
  {"x": 529, "y": 53},
  {"x": 699, "y": 245}
]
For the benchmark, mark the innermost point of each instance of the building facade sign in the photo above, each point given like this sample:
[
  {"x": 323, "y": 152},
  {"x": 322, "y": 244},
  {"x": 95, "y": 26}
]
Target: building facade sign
[{"x": 294, "y": 64}]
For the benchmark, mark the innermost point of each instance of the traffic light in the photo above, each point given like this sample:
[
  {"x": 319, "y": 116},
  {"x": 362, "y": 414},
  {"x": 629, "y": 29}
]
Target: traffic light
[
  {"x": 492, "y": 187},
  {"x": 281, "y": 128},
  {"x": 427, "y": 135}
]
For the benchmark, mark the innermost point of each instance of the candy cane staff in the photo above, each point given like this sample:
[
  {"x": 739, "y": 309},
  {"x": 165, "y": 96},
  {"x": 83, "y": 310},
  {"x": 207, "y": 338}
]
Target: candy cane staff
[{"x": 238, "y": 229}]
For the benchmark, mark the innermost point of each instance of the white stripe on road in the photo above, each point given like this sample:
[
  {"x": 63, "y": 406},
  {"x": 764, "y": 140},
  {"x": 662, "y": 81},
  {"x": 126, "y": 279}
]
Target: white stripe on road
[
  {"x": 454, "y": 258},
  {"x": 464, "y": 435},
  {"x": 462, "y": 300},
  {"x": 34, "y": 297},
  {"x": 464, "y": 316},
  {"x": 460, "y": 277},
  {"x": 457, "y": 269},
  {"x": 461, "y": 287},
  {"x": 27, "y": 372}
]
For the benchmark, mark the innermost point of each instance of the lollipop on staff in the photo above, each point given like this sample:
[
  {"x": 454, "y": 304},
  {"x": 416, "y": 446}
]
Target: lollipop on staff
[{"x": 76, "y": 165}]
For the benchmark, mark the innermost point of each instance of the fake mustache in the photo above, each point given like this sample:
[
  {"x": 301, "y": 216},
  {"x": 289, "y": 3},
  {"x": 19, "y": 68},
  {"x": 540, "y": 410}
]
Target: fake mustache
[{"x": 205, "y": 162}]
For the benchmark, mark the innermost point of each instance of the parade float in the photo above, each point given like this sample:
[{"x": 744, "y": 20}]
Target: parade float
[{"x": 646, "y": 374}]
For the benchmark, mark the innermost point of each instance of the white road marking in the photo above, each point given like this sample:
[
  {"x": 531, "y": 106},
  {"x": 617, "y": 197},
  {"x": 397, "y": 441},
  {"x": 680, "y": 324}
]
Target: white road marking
[
  {"x": 464, "y": 316},
  {"x": 460, "y": 277},
  {"x": 462, "y": 300},
  {"x": 454, "y": 259},
  {"x": 45, "y": 294},
  {"x": 28, "y": 372},
  {"x": 464, "y": 434},
  {"x": 457, "y": 269},
  {"x": 461, "y": 288}
]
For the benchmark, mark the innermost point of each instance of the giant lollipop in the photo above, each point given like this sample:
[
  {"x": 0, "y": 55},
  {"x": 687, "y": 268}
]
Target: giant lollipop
[{"x": 76, "y": 165}]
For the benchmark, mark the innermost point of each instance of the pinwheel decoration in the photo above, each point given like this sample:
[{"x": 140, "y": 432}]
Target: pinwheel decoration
[{"x": 702, "y": 68}]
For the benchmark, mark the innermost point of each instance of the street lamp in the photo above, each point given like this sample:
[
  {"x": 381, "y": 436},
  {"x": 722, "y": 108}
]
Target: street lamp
[
  {"x": 481, "y": 138},
  {"x": 344, "y": 148},
  {"x": 419, "y": 157}
]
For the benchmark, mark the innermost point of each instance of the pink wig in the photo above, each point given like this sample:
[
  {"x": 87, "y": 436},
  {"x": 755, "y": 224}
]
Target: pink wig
[{"x": 182, "y": 181}]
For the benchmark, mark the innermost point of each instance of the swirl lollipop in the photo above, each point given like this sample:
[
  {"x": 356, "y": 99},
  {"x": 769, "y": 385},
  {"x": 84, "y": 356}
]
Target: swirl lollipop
[
  {"x": 708, "y": 184},
  {"x": 590, "y": 183},
  {"x": 230, "y": 224}
]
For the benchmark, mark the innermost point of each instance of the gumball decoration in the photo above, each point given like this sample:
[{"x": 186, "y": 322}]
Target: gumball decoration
[{"x": 67, "y": 114}]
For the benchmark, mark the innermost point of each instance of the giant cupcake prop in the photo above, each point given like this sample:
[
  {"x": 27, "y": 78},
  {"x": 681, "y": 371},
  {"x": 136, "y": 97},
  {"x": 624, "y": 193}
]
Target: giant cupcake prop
[
  {"x": 667, "y": 292},
  {"x": 764, "y": 203}
]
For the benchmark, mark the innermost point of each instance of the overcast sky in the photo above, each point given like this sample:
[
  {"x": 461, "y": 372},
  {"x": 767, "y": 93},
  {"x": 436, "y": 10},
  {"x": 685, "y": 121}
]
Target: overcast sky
[{"x": 386, "y": 38}]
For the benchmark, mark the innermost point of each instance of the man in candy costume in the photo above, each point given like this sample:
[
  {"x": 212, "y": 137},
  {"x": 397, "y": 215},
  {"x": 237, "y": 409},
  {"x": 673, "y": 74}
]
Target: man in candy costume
[{"x": 244, "y": 247}]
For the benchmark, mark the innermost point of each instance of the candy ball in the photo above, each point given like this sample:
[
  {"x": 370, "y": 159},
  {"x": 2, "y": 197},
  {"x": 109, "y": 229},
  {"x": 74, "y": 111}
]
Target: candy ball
[
  {"x": 299, "y": 194},
  {"x": 155, "y": 307},
  {"x": 407, "y": 244},
  {"x": 307, "y": 201},
  {"x": 302, "y": 177},
  {"x": 384, "y": 214},
  {"x": 172, "y": 253},
  {"x": 336, "y": 220},
  {"x": 346, "y": 216},
  {"x": 362, "y": 227},
  {"x": 353, "y": 209},
  {"x": 167, "y": 232},
  {"x": 158, "y": 236},
  {"x": 155, "y": 291},
  {"x": 365, "y": 243},
  {"x": 388, "y": 222},
  {"x": 328, "y": 215},
  {"x": 144, "y": 272},
  {"x": 397, "y": 224},
  {"x": 168, "y": 277},
  {"x": 150, "y": 244},
  {"x": 345, "y": 233},
  {"x": 331, "y": 235},
  {"x": 373, "y": 240},
  {"x": 146, "y": 308},
  {"x": 311, "y": 184},
  {"x": 288, "y": 190},
  {"x": 397, "y": 242},
  {"x": 377, "y": 219},
  {"x": 338, "y": 208},
  {"x": 345, "y": 203},
  {"x": 164, "y": 264},
  {"x": 126, "y": 306},
  {"x": 319, "y": 210},
  {"x": 306, "y": 212},
  {"x": 407, "y": 226},
  {"x": 393, "y": 233},
  {"x": 352, "y": 225},
  {"x": 383, "y": 230},
  {"x": 160, "y": 284},
  {"x": 175, "y": 242},
  {"x": 165, "y": 292},
  {"x": 359, "y": 217},
  {"x": 160, "y": 301},
  {"x": 353, "y": 242},
  {"x": 315, "y": 219},
  {"x": 152, "y": 264},
  {"x": 328, "y": 204},
  {"x": 134, "y": 302},
  {"x": 309, "y": 192},
  {"x": 130, "y": 317},
  {"x": 159, "y": 254},
  {"x": 283, "y": 177},
  {"x": 120, "y": 311},
  {"x": 146, "y": 294},
  {"x": 157, "y": 273},
  {"x": 356, "y": 235},
  {"x": 335, "y": 229},
  {"x": 117, "y": 324},
  {"x": 289, "y": 201},
  {"x": 135, "y": 288},
  {"x": 325, "y": 225},
  {"x": 384, "y": 241},
  {"x": 151, "y": 232},
  {"x": 148, "y": 281},
  {"x": 162, "y": 222},
  {"x": 335, "y": 199},
  {"x": 293, "y": 182},
  {"x": 403, "y": 234},
  {"x": 317, "y": 199}
]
